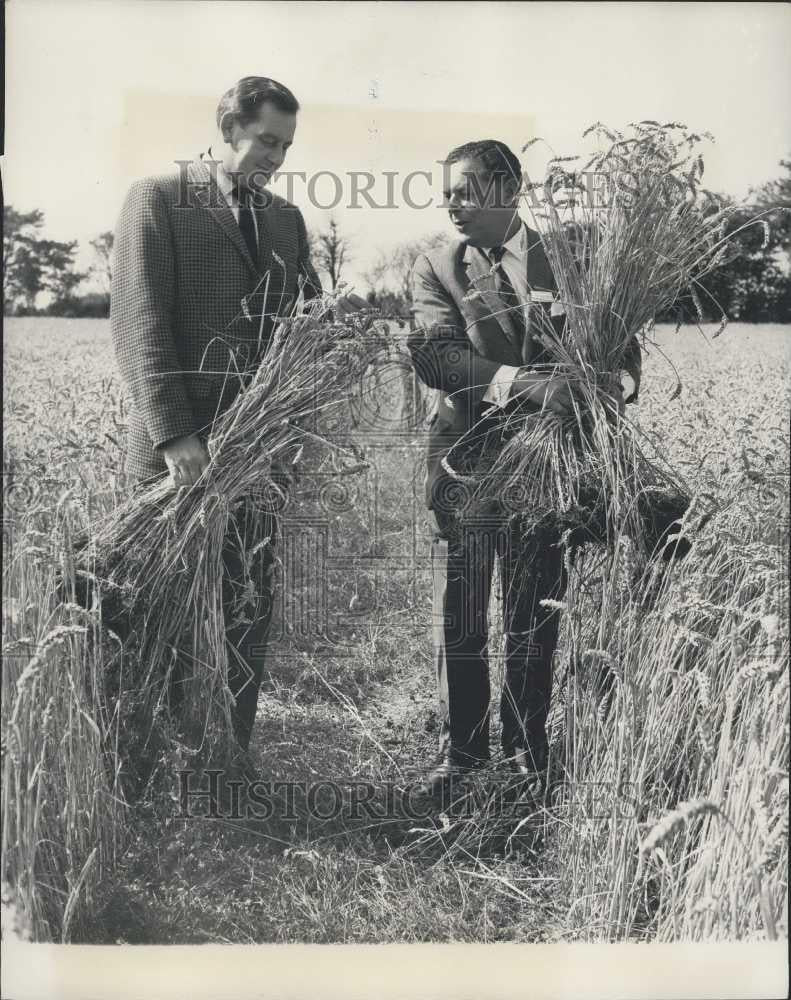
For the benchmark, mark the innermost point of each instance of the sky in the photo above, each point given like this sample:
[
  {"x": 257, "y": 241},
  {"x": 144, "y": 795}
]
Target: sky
[{"x": 99, "y": 93}]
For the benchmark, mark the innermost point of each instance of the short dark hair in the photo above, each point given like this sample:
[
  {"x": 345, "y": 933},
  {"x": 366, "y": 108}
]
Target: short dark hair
[
  {"x": 245, "y": 98},
  {"x": 494, "y": 156}
]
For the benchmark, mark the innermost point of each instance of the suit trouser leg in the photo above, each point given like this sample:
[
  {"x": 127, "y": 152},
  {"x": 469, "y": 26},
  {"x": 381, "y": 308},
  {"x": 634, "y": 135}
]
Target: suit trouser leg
[
  {"x": 439, "y": 574},
  {"x": 246, "y": 640},
  {"x": 533, "y": 570},
  {"x": 182, "y": 664},
  {"x": 462, "y": 565}
]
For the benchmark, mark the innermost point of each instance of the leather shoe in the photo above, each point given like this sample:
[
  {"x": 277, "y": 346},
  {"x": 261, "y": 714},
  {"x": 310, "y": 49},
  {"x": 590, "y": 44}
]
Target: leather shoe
[
  {"x": 443, "y": 780},
  {"x": 532, "y": 776},
  {"x": 524, "y": 762}
]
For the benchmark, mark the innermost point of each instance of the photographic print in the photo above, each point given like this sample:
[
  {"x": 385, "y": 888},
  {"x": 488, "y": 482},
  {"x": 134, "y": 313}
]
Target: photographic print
[{"x": 396, "y": 487}]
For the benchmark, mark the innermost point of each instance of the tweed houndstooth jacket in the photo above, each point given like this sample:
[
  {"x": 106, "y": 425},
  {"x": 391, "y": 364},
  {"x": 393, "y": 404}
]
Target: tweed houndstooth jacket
[{"x": 191, "y": 312}]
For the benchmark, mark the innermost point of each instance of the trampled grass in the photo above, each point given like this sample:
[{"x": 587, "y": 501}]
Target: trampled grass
[{"x": 693, "y": 708}]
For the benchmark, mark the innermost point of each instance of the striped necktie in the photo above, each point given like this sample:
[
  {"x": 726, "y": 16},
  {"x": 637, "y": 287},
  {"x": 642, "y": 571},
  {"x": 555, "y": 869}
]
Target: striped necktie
[{"x": 507, "y": 293}]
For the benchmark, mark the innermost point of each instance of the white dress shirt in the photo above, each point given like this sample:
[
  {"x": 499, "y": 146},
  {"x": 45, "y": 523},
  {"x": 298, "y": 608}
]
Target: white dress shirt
[
  {"x": 514, "y": 261},
  {"x": 226, "y": 186}
]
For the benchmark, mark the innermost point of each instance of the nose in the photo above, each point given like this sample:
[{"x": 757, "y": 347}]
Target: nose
[{"x": 277, "y": 158}]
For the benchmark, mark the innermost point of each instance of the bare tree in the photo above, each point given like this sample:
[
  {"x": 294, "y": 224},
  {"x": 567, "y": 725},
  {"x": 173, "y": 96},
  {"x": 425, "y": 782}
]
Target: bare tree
[
  {"x": 389, "y": 275},
  {"x": 103, "y": 264},
  {"x": 389, "y": 280},
  {"x": 330, "y": 251}
]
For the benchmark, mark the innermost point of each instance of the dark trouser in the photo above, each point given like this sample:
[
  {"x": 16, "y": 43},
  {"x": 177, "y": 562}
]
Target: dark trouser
[
  {"x": 531, "y": 570},
  {"x": 247, "y": 611},
  {"x": 248, "y": 616}
]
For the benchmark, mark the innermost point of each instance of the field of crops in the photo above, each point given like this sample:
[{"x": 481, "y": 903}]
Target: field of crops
[{"x": 671, "y": 821}]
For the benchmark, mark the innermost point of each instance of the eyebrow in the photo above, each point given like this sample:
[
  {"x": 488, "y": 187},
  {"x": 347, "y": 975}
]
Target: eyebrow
[
  {"x": 270, "y": 135},
  {"x": 460, "y": 185}
]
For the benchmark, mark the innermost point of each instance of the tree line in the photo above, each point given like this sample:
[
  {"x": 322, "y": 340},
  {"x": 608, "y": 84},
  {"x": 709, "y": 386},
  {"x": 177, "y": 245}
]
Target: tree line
[
  {"x": 753, "y": 284},
  {"x": 34, "y": 266}
]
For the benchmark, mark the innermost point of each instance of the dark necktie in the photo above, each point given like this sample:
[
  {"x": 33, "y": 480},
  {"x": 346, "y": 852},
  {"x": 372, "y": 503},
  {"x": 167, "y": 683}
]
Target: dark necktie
[
  {"x": 508, "y": 295},
  {"x": 246, "y": 222}
]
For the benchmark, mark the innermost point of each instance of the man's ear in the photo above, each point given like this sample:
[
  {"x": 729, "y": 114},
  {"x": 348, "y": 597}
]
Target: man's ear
[
  {"x": 227, "y": 123},
  {"x": 511, "y": 190}
]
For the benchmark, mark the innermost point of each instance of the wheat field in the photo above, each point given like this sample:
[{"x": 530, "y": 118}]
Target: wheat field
[{"x": 669, "y": 821}]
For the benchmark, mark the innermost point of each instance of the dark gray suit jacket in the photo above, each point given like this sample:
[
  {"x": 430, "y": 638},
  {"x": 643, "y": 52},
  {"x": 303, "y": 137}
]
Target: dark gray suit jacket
[
  {"x": 462, "y": 335},
  {"x": 191, "y": 312}
]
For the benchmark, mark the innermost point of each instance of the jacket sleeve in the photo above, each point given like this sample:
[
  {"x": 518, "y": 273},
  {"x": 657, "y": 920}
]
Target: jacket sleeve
[
  {"x": 442, "y": 353},
  {"x": 312, "y": 284},
  {"x": 143, "y": 300}
]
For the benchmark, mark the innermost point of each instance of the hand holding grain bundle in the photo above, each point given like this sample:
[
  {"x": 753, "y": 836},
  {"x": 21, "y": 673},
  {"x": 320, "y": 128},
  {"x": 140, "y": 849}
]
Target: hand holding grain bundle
[
  {"x": 621, "y": 258},
  {"x": 162, "y": 552}
]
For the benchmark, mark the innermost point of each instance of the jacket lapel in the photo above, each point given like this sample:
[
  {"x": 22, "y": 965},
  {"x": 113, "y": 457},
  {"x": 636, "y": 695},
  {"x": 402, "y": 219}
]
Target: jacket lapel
[
  {"x": 484, "y": 307},
  {"x": 539, "y": 274},
  {"x": 542, "y": 287},
  {"x": 212, "y": 199},
  {"x": 488, "y": 327},
  {"x": 265, "y": 244}
]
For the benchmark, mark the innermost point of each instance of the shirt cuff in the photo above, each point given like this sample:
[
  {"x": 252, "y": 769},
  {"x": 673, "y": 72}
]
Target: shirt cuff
[{"x": 500, "y": 387}]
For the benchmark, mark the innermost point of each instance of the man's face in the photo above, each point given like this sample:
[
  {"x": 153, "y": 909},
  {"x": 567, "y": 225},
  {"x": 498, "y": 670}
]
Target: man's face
[
  {"x": 480, "y": 207},
  {"x": 258, "y": 149}
]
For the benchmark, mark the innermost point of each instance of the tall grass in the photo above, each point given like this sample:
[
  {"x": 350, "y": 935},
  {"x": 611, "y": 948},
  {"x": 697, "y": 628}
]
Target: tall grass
[
  {"x": 666, "y": 812},
  {"x": 85, "y": 705},
  {"x": 62, "y": 821},
  {"x": 677, "y": 692},
  {"x": 671, "y": 684},
  {"x": 61, "y": 801}
]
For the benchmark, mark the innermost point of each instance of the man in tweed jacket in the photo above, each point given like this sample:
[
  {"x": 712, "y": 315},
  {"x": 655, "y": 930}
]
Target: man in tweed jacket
[{"x": 205, "y": 263}]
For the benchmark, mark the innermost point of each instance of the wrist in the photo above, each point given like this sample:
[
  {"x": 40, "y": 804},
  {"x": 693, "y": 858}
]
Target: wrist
[
  {"x": 164, "y": 445},
  {"x": 179, "y": 442},
  {"x": 531, "y": 385}
]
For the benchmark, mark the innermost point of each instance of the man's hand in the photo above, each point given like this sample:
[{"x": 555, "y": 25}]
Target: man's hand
[
  {"x": 615, "y": 401},
  {"x": 552, "y": 393},
  {"x": 350, "y": 303},
  {"x": 186, "y": 458}
]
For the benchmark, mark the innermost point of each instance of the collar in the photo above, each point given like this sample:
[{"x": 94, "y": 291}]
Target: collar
[
  {"x": 517, "y": 245},
  {"x": 518, "y": 242},
  {"x": 224, "y": 182}
]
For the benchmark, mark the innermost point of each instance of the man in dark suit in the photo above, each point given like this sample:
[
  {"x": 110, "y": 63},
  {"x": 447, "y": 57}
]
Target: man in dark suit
[
  {"x": 474, "y": 306},
  {"x": 206, "y": 261}
]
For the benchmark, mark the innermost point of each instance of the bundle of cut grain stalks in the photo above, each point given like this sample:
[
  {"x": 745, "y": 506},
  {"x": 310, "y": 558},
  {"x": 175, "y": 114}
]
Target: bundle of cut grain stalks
[
  {"x": 155, "y": 566},
  {"x": 628, "y": 237}
]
